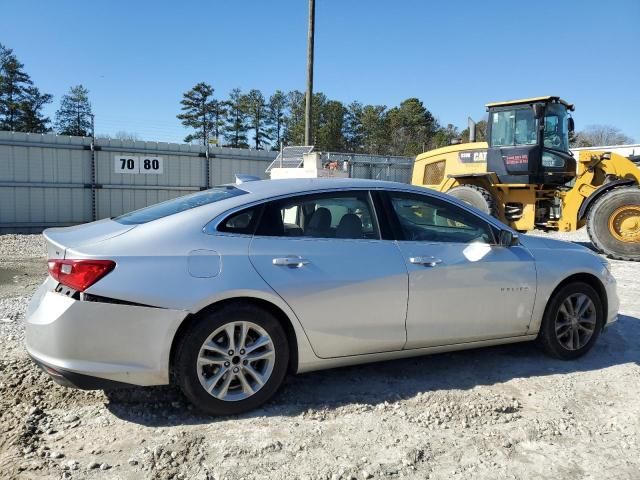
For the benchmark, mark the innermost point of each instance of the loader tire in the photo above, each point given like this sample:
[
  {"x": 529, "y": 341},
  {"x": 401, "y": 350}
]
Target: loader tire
[
  {"x": 613, "y": 223},
  {"x": 476, "y": 196}
]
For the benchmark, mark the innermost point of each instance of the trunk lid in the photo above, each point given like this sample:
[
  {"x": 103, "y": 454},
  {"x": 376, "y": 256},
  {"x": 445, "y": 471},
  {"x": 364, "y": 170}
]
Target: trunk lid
[{"x": 61, "y": 239}]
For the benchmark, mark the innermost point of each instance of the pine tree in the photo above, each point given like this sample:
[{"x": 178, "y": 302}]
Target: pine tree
[
  {"x": 199, "y": 107},
  {"x": 13, "y": 82},
  {"x": 330, "y": 132},
  {"x": 294, "y": 121},
  {"x": 74, "y": 115},
  {"x": 319, "y": 102},
  {"x": 376, "y": 134},
  {"x": 236, "y": 125},
  {"x": 32, "y": 119},
  {"x": 256, "y": 109},
  {"x": 412, "y": 128},
  {"x": 218, "y": 118},
  {"x": 276, "y": 117},
  {"x": 445, "y": 135},
  {"x": 353, "y": 127},
  {"x": 327, "y": 121}
]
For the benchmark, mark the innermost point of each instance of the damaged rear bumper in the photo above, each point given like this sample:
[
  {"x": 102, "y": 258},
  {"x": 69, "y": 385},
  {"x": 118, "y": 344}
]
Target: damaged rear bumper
[
  {"x": 71, "y": 379},
  {"x": 96, "y": 344}
]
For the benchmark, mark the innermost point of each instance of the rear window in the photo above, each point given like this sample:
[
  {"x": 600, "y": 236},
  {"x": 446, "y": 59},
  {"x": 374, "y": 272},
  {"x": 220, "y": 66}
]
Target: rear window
[{"x": 177, "y": 205}]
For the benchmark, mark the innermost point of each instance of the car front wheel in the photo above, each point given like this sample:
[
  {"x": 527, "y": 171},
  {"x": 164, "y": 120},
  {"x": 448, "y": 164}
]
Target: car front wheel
[
  {"x": 572, "y": 321},
  {"x": 232, "y": 360}
]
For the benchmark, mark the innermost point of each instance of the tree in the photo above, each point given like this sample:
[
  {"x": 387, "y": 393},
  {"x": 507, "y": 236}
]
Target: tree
[
  {"x": 412, "y": 128},
  {"x": 353, "y": 135},
  {"x": 318, "y": 101},
  {"x": 376, "y": 135},
  {"x": 276, "y": 110},
  {"x": 236, "y": 122},
  {"x": 32, "y": 119},
  {"x": 74, "y": 115},
  {"x": 218, "y": 119},
  {"x": 120, "y": 135},
  {"x": 198, "y": 107},
  {"x": 600, "y": 135},
  {"x": 13, "y": 83},
  {"x": 21, "y": 103},
  {"x": 294, "y": 121},
  {"x": 445, "y": 135},
  {"x": 330, "y": 131},
  {"x": 256, "y": 110},
  {"x": 127, "y": 136}
]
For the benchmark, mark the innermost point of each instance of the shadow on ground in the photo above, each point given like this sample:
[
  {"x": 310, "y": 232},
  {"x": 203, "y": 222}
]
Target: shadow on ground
[{"x": 390, "y": 381}]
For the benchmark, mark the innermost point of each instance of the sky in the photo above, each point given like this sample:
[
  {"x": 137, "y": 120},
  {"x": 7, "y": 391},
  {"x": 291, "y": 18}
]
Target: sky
[{"x": 138, "y": 57}]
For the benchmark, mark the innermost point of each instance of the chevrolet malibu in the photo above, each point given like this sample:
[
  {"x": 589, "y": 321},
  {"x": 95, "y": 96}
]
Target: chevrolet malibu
[{"x": 225, "y": 291}]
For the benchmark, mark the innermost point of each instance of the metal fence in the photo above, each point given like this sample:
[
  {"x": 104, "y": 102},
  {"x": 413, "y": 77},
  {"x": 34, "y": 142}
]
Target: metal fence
[
  {"x": 51, "y": 180},
  {"x": 48, "y": 180},
  {"x": 376, "y": 167}
]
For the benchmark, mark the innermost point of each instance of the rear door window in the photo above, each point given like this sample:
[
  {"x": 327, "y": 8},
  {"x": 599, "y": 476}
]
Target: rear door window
[
  {"x": 333, "y": 215},
  {"x": 242, "y": 222}
]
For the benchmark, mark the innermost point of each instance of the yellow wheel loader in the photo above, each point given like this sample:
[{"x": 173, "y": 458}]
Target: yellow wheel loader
[{"x": 526, "y": 176}]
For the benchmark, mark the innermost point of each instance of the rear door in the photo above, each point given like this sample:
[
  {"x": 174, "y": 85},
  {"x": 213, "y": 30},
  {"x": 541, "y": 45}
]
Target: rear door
[
  {"x": 462, "y": 286},
  {"x": 323, "y": 255}
]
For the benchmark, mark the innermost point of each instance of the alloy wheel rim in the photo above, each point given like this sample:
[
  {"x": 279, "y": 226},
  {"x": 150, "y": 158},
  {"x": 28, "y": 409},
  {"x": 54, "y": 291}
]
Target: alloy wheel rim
[
  {"x": 624, "y": 223},
  {"x": 235, "y": 361},
  {"x": 575, "y": 321}
]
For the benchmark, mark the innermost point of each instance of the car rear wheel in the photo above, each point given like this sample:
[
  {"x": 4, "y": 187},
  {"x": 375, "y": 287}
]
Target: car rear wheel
[
  {"x": 232, "y": 360},
  {"x": 572, "y": 321}
]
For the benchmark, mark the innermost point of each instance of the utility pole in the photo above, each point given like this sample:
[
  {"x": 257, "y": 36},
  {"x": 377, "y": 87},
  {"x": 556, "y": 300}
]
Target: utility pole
[{"x": 309, "y": 97}]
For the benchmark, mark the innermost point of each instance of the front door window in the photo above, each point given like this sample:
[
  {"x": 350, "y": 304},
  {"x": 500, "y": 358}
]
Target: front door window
[{"x": 437, "y": 221}]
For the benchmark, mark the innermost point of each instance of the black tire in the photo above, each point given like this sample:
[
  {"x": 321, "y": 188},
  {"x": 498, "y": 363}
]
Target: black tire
[
  {"x": 186, "y": 357},
  {"x": 547, "y": 337},
  {"x": 598, "y": 223},
  {"x": 476, "y": 196}
]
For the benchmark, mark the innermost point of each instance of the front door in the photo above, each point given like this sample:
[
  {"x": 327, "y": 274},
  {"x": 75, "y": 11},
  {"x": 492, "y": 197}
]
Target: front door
[
  {"x": 322, "y": 254},
  {"x": 462, "y": 286}
]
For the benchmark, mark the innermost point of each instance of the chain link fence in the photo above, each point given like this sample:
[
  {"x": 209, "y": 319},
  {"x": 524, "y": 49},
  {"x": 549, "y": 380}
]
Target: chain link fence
[{"x": 376, "y": 167}]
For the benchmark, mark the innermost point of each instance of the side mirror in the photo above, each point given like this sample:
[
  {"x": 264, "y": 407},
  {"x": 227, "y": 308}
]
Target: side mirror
[
  {"x": 538, "y": 110},
  {"x": 571, "y": 125},
  {"x": 507, "y": 238}
]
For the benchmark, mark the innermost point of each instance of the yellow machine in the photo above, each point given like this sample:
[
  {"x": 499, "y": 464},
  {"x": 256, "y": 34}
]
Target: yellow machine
[{"x": 527, "y": 177}]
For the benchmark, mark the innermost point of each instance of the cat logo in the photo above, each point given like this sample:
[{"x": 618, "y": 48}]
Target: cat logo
[{"x": 473, "y": 156}]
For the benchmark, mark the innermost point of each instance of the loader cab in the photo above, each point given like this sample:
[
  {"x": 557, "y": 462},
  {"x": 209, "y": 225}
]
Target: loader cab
[{"x": 529, "y": 141}]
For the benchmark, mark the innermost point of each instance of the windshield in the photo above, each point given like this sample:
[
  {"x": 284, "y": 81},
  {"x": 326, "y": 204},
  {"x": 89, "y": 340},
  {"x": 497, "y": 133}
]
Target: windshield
[
  {"x": 177, "y": 205},
  {"x": 556, "y": 131},
  {"x": 513, "y": 127}
]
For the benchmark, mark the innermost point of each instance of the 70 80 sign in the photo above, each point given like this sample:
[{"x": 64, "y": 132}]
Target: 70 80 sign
[{"x": 130, "y": 164}]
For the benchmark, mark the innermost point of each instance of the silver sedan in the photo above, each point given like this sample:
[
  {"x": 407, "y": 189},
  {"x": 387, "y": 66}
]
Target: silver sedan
[{"x": 225, "y": 291}]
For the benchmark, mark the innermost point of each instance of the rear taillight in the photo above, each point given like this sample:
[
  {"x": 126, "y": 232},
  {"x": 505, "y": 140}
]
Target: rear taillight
[{"x": 79, "y": 274}]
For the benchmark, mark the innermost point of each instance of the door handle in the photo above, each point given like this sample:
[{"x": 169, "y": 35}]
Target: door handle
[
  {"x": 290, "y": 261},
  {"x": 426, "y": 261}
]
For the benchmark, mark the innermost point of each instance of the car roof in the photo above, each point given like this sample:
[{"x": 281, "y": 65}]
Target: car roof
[
  {"x": 268, "y": 188},
  {"x": 263, "y": 190}
]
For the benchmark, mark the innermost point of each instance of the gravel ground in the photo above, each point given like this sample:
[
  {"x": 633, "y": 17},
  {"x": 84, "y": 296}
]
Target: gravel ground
[{"x": 493, "y": 413}]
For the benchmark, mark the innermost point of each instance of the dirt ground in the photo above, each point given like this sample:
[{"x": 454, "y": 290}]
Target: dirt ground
[{"x": 496, "y": 413}]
